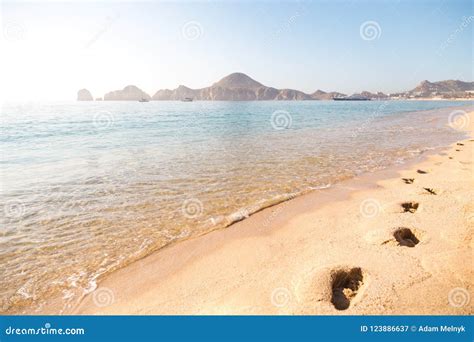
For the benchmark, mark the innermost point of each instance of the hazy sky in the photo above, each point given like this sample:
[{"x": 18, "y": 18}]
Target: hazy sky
[{"x": 52, "y": 49}]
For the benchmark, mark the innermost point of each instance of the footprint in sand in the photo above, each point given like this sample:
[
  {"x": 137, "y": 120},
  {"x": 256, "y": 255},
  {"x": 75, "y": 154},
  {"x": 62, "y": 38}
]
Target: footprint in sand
[
  {"x": 345, "y": 284},
  {"x": 409, "y": 207},
  {"x": 421, "y": 172},
  {"x": 408, "y": 180},
  {"x": 431, "y": 191},
  {"x": 405, "y": 237},
  {"x": 460, "y": 144}
]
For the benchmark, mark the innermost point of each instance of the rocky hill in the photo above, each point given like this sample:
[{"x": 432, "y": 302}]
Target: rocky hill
[
  {"x": 234, "y": 87},
  {"x": 84, "y": 95},
  {"x": 129, "y": 93},
  {"x": 449, "y": 86},
  {"x": 240, "y": 87},
  {"x": 322, "y": 95},
  {"x": 373, "y": 96}
]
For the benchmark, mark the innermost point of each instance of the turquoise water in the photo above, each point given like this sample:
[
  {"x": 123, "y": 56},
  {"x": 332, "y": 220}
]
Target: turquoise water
[{"x": 89, "y": 187}]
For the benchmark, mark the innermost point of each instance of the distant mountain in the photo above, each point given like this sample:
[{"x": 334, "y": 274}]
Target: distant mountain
[
  {"x": 234, "y": 87},
  {"x": 84, "y": 95},
  {"x": 129, "y": 93},
  {"x": 290, "y": 94},
  {"x": 238, "y": 80},
  {"x": 449, "y": 86},
  {"x": 240, "y": 87},
  {"x": 322, "y": 95},
  {"x": 442, "y": 89},
  {"x": 373, "y": 96}
]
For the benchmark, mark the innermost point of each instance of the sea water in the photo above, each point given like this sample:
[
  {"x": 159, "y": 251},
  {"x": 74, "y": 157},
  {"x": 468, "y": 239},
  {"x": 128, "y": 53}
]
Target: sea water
[{"x": 88, "y": 187}]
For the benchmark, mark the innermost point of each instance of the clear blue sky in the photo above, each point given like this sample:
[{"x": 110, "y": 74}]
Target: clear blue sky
[{"x": 53, "y": 49}]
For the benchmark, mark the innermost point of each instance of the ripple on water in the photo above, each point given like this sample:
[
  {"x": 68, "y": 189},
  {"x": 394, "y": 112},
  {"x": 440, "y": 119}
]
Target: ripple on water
[{"x": 80, "y": 204}]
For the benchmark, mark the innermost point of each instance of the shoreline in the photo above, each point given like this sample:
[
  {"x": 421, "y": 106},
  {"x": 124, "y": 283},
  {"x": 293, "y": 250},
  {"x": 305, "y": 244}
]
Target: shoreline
[
  {"x": 462, "y": 99},
  {"x": 218, "y": 272}
]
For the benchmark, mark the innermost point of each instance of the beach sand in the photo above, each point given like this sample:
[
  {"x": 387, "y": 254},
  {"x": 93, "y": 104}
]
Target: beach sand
[{"x": 332, "y": 251}]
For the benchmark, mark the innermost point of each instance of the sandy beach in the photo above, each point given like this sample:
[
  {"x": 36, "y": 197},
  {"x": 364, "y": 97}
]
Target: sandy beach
[{"x": 397, "y": 241}]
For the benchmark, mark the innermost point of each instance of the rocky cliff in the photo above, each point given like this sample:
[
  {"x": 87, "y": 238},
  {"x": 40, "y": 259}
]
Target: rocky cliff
[
  {"x": 322, "y": 95},
  {"x": 234, "y": 87},
  {"x": 129, "y": 93},
  {"x": 449, "y": 86},
  {"x": 84, "y": 95},
  {"x": 240, "y": 87}
]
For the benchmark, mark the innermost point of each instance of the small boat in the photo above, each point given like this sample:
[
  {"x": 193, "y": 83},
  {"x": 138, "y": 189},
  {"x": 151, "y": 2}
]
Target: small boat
[
  {"x": 143, "y": 100},
  {"x": 351, "y": 98},
  {"x": 187, "y": 99}
]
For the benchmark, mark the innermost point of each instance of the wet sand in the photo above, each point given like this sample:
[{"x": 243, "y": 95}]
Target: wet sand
[{"x": 398, "y": 241}]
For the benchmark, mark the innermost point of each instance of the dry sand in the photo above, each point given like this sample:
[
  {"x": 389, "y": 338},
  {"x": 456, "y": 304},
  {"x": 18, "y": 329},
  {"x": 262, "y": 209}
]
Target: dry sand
[{"x": 332, "y": 251}]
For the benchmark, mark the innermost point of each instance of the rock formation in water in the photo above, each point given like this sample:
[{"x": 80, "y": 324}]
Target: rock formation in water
[
  {"x": 129, "y": 93},
  {"x": 84, "y": 95}
]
